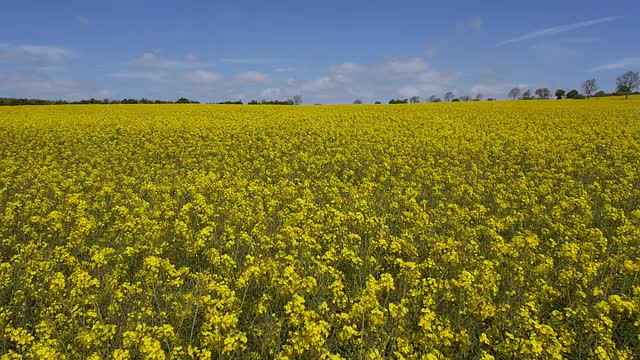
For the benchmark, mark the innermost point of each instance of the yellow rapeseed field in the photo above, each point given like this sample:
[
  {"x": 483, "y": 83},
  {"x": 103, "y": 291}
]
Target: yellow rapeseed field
[{"x": 433, "y": 231}]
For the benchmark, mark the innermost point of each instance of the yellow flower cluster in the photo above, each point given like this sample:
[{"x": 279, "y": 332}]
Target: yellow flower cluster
[{"x": 495, "y": 230}]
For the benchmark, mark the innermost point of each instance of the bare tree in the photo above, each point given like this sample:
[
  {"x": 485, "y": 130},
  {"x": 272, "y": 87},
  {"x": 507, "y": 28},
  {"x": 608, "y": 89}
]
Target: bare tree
[
  {"x": 543, "y": 93},
  {"x": 589, "y": 87},
  {"x": 465, "y": 98},
  {"x": 526, "y": 95},
  {"x": 433, "y": 98},
  {"x": 514, "y": 93},
  {"x": 297, "y": 100},
  {"x": 449, "y": 96},
  {"x": 479, "y": 96},
  {"x": 628, "y": 82},
  {"x": 414, "y": 99},
  {"x": 546, "y": 93}
]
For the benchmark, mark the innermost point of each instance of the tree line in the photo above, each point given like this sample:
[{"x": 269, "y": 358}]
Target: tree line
[
  {"x": 5, "y": 101},
  {"x": 17, "y": 101},
  {"x": 626, "y": 84},
  {"x": 296, "y": 100}
]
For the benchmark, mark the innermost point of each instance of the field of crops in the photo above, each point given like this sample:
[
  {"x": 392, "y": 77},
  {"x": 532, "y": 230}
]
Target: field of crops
[{"x": 459, "y": 230}]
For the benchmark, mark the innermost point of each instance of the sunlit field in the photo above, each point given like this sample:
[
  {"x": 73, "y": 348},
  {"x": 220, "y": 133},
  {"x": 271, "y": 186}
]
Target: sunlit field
[{"x": 455, "y": 230}]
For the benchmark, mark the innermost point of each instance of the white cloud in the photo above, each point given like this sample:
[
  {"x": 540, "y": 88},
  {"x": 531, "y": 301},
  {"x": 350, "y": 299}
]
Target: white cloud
[
  {"x": 203, "y": 77},
  {"x": 285, "y": 69},
  {"x": 245, "y": 61},
  {"x": 10, "y": 52},
  {"x": 558, "y": 29},
  {"x": 409, "y": 66},
  {"x": 82, "y": 19},
  {"x": 404, "y": 77},
  {"x": 155, "y": 60},
  {"x": 140, "y": 75},
  {"x": 253, "y": 76},
  {"x": 348, "y": 68},
  {"x": 424, "y": 89},
  {"x": 438, "y": 77},
  {"x": 43, "y": 86},
  {"x": 324, "y": 83},
  {"x": 271, "y": 93},
  {"x": 619, "y": 64},
  {"x": 393, "y": 66}
]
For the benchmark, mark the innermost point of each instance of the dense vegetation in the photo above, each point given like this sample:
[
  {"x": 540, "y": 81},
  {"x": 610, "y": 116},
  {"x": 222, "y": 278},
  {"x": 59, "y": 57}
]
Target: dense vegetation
[{"x": 469, "y": 230}]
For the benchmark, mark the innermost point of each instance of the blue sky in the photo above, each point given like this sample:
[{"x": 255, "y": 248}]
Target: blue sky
[{"x": 329, "y": 51}]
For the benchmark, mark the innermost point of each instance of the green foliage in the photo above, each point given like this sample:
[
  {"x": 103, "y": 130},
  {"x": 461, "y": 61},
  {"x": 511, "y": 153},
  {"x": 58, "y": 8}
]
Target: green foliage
[{"x": 573, "y": 94}]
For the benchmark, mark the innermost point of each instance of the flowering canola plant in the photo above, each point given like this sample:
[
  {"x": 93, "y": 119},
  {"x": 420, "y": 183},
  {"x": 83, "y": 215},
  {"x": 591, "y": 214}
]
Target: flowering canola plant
[{"x": 433, "y": 231}]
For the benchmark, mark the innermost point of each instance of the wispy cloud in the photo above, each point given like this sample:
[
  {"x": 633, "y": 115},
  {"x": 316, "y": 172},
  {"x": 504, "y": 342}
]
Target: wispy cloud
[
  {"x": 323, "y": 83},
  {"x": 348, "y": 68},
  {"x": 140, "y": 75},
  {"x": 246, "y": 61},
  {"x": 558, "y": 29},
  {"x": 409, "y": 66},
  {"x": 203, "y": 77},
  {"x": 83, "y": 20},
  {"x": 253, "y": 76},
  {"x": 44, "y": 86},
  {"x": 10, "y": 52},
  {"x": 390, "y": 66},
  {"x": 271, "y": 93},
  {"x": 285, "y": 69},
  {"x": 619, "y": 64},
  {"x": 155, "y": 59}
]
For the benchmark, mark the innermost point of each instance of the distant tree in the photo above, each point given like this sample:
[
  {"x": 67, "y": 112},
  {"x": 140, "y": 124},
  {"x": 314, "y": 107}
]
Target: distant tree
[
  {"x": 297, "y": 100},
  {"x": 455, "y": 100},
  {"x": 377, "y": 103},
  {"x": 399, "y": 101},
  {"x": 560, "y": 94},
  {"x": 432, "y": 98},
  {"x": 357, "y": 101},
  {"x": 527, "y": 95},
  {"x": 573, "y": 94},
  {"x": 589, "y": 87},
  {"x": 538, "y": 93},
  {"x": 479, "y": 96},
  {"x": 414, "y": 99},
  {"x": 600, "y": 94},
  {"x": 543, "y": 93},
  {"x": 465, "y": 98},
  {"x": 627, "y": 82},
  {"x": 514, "y": 93},
  {"x": 183, "y": 100},
  {"x": 448, "y": 96}
]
